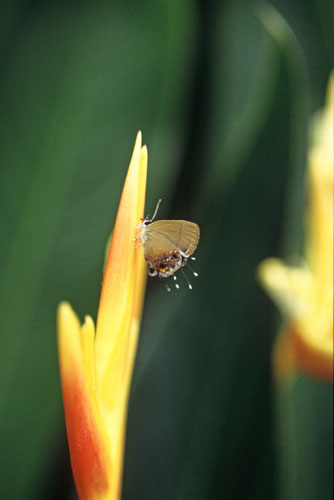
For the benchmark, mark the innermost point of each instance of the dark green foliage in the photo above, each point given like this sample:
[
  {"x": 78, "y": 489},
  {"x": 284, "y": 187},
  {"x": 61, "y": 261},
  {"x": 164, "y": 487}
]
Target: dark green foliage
[{"x": 222, "y": 92}]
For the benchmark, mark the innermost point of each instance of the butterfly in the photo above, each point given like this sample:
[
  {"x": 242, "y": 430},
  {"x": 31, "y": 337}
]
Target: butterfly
[{"x": 167, "y": 244}]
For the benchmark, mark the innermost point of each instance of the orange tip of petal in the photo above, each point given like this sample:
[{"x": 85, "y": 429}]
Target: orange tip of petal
[{"x": 293, "y": 354}]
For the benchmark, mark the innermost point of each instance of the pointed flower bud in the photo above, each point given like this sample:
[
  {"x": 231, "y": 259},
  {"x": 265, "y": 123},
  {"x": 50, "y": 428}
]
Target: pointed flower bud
[{"x": 96, "y": 366}]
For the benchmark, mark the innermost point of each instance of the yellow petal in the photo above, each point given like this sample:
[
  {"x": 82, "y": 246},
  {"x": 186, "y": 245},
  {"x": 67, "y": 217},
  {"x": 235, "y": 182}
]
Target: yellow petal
[
  {"x": 120, "y": 289},
  {"x": 305, "y": 294},
  {"x": 88, "y": 442},
  {"x": 96, "y": 370}
]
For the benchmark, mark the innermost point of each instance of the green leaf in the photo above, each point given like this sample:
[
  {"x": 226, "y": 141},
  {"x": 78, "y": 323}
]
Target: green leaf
[{"x": 78, "y": 81}]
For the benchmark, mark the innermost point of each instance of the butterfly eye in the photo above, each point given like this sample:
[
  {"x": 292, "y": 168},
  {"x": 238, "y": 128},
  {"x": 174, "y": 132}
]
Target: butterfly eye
[{"x": 152, "y": 272}]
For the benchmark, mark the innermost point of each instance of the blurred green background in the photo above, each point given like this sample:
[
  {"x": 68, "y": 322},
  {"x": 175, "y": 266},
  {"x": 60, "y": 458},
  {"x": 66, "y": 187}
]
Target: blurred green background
[{"x": 223, "y": 92}]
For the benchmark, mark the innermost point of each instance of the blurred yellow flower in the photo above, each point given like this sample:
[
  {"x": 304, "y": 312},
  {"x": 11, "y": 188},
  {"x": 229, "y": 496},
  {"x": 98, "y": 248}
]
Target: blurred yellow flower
[
  {"x": 305, "y": 294},
  {"x": 96, "y": 368}
]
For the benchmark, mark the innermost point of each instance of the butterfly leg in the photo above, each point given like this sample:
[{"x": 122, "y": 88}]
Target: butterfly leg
[
  {"x": 138, "y": 236},
  {"x": 139, "y": 245}
]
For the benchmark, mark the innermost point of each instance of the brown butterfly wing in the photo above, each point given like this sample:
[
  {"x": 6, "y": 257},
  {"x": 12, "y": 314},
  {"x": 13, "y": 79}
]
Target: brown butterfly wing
[{"x": 165, "y": 235}]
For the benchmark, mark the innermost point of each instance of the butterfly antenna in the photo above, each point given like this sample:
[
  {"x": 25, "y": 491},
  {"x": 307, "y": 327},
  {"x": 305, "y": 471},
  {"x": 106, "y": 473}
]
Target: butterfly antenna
[
  {"x": 176, "y": 284},
  {"x": 185, "y": 277},
  {"x": 191, "y": 269},
  {"x": 156, "y": 209}
]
